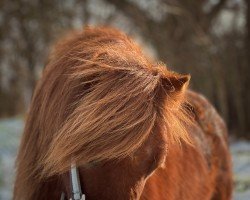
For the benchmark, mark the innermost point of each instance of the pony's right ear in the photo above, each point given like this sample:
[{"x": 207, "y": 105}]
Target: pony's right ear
[
  {"x": 175, "y": 83},
  {"x": 173, "y": 88}
]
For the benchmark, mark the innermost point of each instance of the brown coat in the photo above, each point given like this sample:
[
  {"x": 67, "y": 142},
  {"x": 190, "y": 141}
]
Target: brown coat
[{"x": 124, "y": 119}]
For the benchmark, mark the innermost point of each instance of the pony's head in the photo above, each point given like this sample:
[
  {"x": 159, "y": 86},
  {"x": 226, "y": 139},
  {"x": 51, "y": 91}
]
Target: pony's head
[{"x": 107, "y": 107}]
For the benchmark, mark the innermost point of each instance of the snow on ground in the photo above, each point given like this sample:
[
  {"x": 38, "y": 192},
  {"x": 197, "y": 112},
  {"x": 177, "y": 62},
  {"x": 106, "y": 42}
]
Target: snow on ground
[
  {"x": 241, "y": 167},
  {"x": 11, "y": 129}
]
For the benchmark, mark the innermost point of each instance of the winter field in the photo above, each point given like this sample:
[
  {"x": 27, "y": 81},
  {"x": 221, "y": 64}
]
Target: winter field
[{"x": 11, "y": 129}]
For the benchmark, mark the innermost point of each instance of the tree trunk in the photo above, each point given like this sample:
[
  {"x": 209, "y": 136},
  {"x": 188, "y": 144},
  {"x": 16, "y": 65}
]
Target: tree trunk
[{"x": 246, "y": 72}]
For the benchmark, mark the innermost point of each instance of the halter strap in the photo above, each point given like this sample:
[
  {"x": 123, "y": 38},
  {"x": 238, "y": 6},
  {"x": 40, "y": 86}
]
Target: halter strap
[
  {"x": 76, "y": 191},
  {"x": 75, "y": 183}
]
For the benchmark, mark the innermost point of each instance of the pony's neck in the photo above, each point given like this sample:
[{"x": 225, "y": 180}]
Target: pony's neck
[{"x": 51, "y": 189}]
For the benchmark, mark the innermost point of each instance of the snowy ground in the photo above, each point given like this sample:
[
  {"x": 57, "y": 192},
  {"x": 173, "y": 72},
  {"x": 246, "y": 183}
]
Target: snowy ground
[
  {"x": 241, "y": 164},
  {"x": 11, "y": 129}
]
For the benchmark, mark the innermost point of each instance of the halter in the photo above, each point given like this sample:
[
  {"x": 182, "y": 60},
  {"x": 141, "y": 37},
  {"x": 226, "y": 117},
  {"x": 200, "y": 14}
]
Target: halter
[{"x": 76, "y": 191}]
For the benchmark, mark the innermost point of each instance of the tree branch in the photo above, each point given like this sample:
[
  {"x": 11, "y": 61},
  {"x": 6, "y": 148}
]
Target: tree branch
[
  {"x": 216, "y": 10},
  {"x": 139, "y": 17}
]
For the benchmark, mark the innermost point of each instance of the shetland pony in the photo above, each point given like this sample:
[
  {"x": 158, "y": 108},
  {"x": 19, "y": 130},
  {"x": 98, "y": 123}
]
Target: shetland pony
[{"x": 129, "y": 124}]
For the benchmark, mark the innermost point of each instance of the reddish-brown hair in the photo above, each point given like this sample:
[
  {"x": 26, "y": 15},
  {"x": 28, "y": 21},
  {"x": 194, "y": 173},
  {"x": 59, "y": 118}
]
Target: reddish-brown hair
[{"x": 98, "y": 99}]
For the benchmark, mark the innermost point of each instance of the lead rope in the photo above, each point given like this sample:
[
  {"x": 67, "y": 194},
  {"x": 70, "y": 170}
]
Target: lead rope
[{"x": 75, "y": 185}]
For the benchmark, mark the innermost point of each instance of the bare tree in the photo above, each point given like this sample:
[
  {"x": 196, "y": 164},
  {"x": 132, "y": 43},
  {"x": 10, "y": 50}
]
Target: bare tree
[{"x": 246, "y": 70}]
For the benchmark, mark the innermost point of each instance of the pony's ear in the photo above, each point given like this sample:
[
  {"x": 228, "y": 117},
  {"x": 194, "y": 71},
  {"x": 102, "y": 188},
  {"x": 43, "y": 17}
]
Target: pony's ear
[
  {"x": 173, "y": 89},
  {"x": 175, "y": 83}
]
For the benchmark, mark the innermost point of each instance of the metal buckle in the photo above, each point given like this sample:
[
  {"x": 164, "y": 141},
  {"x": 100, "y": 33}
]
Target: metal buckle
[
  {"x": 75, "y": 182},
  {"x": 75, "y": 185}
]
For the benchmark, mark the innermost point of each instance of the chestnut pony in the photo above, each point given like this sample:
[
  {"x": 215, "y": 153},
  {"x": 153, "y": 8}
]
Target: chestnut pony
[{"x": 129, "y": 124}]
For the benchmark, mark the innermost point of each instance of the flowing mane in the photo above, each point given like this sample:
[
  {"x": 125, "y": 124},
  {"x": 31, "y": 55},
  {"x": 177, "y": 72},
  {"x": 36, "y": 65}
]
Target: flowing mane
[{"x": 99, "y": 99}]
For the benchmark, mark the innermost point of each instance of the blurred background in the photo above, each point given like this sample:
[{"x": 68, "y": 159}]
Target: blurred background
[{"x": 209, "y": 39}]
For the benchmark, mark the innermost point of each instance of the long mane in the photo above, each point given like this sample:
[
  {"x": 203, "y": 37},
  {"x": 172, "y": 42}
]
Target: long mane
[{"x": 98, "y": 99}]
